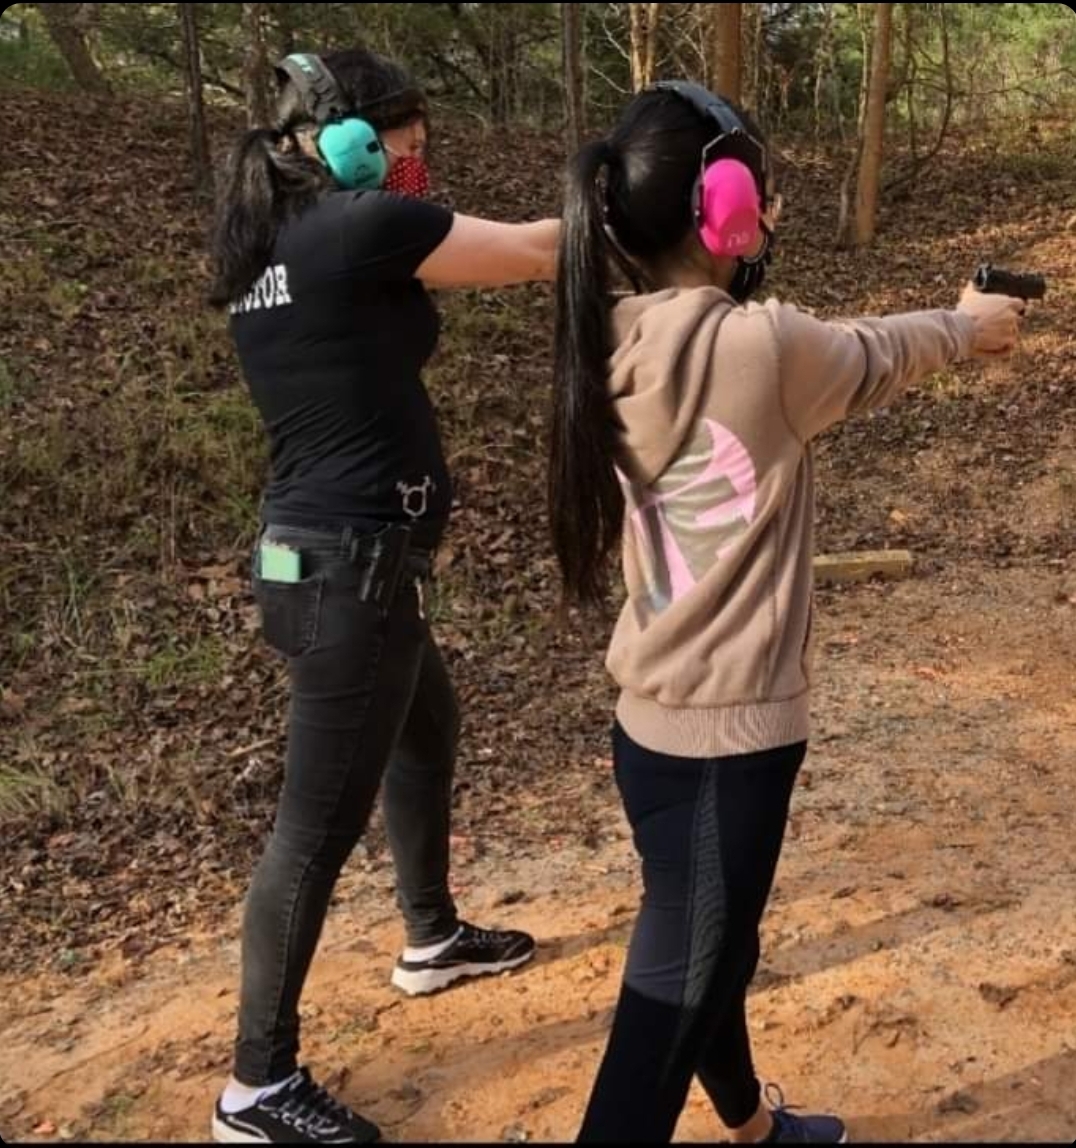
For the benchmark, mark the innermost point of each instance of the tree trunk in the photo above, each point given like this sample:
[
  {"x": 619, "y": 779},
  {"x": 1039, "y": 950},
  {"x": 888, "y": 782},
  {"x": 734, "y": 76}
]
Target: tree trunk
[
  {"x": 725, "y": 52},
  {"x": 845, "y": 213},
  {"x": 643, "y": 21},
  {"x": 483, "y": 41},
  {"x": 512, "y": 68},
  {"x": 751, "y": 82},
  {"x": 67, "y": 25},
  {"x": 824, "y": 66},
  {"x": 572, "y": 39},
  {"x": 255, "y": 66},
  {"x": 870, "y": 167},
  {"x": 496, "y": 68},
  {"x": 909, "y": 60},
  {"x": 192, "y": 79}
]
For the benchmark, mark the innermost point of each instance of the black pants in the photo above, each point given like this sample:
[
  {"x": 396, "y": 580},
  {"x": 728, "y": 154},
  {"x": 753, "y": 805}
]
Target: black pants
[
  {"x": 371, "y": 705},
  {"x": 709, "y": 833}
]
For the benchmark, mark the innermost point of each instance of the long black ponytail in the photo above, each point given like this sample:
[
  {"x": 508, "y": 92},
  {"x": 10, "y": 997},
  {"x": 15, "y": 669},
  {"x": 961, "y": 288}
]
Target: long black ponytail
[
  {"x": 586, "y": 506},
  {"x": 262, "y": 186},
  {"x": 635, "y": 216}
]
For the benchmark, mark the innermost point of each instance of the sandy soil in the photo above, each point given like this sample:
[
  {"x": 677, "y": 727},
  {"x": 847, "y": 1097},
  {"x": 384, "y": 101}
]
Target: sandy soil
[{"x": 919, "y": 968}]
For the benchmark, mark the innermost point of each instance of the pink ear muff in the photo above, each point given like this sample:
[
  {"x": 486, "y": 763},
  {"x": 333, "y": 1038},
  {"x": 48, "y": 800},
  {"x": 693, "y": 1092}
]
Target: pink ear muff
[{"x": 728, "y": 208}]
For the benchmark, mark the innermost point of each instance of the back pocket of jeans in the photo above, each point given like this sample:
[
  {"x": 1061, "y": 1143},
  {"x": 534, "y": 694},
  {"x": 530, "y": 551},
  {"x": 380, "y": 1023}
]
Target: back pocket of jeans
[{"x": 290, "y": 613}]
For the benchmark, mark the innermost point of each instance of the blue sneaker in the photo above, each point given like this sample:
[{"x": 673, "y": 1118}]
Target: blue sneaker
[{"x": 791, "y": 1129}]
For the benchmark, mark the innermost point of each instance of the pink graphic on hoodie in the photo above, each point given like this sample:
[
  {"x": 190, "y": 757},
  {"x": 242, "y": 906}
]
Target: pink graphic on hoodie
[{"x": 687, "y": 518}]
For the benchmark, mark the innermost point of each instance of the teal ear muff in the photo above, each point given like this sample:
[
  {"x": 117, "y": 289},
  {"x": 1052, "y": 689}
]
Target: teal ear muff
[
  {"x": 353, "y": 153},
  {"x": 348, "y": 144}
]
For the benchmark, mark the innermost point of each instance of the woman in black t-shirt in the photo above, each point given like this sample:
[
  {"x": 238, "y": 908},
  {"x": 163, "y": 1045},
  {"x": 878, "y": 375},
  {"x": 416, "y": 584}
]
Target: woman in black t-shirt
[{"x": 322, "y": 256}]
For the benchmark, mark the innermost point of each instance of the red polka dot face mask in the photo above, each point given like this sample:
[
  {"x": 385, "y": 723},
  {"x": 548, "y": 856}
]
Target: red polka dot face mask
[{"x": 409, "y": 176}]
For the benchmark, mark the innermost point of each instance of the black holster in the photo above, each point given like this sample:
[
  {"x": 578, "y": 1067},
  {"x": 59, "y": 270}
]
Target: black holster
[{"x": 383, "y": 561}]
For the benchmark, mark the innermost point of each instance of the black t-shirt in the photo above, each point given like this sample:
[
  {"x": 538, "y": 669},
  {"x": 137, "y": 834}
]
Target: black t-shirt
[{"x": 332, "y": 340}]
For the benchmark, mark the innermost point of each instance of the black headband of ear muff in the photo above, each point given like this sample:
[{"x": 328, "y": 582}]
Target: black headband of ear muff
[
  {"x": 324, "y": 100},
  {"x": 322, "y": 96},
  {"x": 734, "y": 139}
]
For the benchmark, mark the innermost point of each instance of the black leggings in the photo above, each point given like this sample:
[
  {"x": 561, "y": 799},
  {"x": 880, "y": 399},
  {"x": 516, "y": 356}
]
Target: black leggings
[{"x": 709, "y": 832}]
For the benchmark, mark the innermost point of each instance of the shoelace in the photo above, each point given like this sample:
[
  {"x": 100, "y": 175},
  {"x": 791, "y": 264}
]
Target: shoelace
[
  {"x": 782, "y": 1113},
  {"x": 774, "y": 1097},
  {"x": 307, "y": 1106},
  {"x": 482, "y": 936}
]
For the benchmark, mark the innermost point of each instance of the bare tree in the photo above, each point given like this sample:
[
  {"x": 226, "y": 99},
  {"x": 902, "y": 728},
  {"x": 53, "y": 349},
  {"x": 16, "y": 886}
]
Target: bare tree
[
  {"x": 844, "y": 216},
  {"x": 255, "y": 65},
  {"x": 192, "y": 78},
  {"x": 643, "y": 23},
  {"x": 751, "y": 80},
  {"x": 69, "y": 25},
  {"x": 948, "y": 89},
  {"x": 571, "y": 16},
  {"x": 870, "y": 167},
  {"x": 493, "y": 37},
  {"x": 725, "y": 48},
  {"x": 910, "y": 67},
  {"x": 825, "y": 62}
]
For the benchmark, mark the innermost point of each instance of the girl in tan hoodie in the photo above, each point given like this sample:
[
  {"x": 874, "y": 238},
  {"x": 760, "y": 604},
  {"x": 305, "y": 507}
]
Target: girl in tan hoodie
[{"x": 682, "y": 421}]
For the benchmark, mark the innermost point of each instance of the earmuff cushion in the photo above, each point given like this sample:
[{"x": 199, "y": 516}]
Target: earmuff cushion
[
  {"x": 727, "y": 208},
  {"x": 353, "y": 153}
]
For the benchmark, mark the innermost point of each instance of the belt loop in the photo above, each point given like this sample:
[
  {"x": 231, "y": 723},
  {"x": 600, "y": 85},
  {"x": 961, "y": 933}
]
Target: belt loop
[{"x": 347, "y": 545}]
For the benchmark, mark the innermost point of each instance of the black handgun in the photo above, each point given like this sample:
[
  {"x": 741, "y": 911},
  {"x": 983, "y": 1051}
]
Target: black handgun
[{"x": 991, "y": 280}]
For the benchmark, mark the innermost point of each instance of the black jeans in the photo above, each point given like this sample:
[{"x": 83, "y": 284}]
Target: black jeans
[
  {"x": 709, "y": 833},
  {"x": 371, "y": 706}
]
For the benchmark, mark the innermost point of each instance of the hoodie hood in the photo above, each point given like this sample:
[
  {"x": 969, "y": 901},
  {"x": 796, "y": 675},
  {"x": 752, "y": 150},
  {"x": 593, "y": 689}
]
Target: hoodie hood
[{"x": 660, "y": 371}]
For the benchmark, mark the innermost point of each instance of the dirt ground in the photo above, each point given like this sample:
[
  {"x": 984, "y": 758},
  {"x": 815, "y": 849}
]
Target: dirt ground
[{"x": 919, "y": 969}]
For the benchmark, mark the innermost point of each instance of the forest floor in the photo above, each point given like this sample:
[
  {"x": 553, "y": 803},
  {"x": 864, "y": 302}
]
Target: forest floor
[{"x": 919, "y": 954}]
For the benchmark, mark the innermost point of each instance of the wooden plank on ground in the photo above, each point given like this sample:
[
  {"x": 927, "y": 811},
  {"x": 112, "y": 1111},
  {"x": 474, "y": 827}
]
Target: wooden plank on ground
[{"x": 858, "y": 566}]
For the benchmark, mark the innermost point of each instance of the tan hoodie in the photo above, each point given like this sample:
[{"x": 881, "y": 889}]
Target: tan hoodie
[{"x": 718, "y": 405}]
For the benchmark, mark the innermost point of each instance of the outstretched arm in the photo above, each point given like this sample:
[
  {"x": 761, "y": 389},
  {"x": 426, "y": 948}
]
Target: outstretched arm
[
  {"x": 830, "y": 370},
  {"x": 481, "y": 253}
]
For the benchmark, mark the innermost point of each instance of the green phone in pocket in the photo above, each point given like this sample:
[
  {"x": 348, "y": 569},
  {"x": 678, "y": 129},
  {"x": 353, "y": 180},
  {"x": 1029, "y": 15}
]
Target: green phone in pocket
[{"x": 279, "y": 563}]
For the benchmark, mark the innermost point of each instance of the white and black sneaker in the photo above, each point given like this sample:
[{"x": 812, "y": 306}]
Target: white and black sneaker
[
  {"x": 301, "y": 1112},
  {"x": 472, "y": 952}
]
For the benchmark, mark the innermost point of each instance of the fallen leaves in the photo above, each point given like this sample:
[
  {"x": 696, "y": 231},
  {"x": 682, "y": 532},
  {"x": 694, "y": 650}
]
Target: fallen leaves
[{"x": 12, "y": 705}]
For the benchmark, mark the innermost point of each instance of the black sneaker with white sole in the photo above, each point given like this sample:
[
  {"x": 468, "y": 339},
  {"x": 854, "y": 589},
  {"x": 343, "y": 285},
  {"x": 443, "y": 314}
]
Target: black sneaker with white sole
[
  {"x": 301, "y": 1112},
  {"x": 473, "y": 953}
]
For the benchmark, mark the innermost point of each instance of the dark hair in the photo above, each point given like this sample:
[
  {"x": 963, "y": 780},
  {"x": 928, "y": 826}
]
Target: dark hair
[
  {"x": 264, "y": 183},
  {"x": 650, "y": 162}
]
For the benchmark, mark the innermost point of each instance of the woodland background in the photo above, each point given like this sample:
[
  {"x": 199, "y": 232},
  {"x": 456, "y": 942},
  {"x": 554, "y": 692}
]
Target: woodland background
[{"x": 141, "y": 718}]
